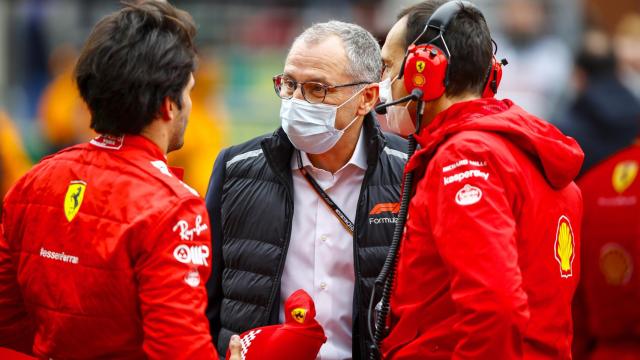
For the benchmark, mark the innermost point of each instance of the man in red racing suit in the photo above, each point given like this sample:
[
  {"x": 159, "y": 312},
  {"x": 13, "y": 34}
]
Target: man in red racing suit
[
  {"x": 606, "y": 304},
  {"x": 488, "y": 264},
  {"x": 489, "y": 259},
  {"x": 104, "y": 251}
]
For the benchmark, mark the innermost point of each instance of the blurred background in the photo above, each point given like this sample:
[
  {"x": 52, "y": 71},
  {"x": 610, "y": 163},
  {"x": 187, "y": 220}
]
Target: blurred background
[{"x": 573, "y": 62}]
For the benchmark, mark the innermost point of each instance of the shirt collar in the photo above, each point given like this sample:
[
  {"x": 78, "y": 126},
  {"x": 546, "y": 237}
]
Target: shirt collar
[{"x": 358, "y": 158}]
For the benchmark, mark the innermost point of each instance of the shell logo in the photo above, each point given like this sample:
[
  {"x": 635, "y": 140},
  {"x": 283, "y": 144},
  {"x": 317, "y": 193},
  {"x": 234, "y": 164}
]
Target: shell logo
[
  {"x": 624, "y": 174},
  {"x": 616, "y": 264},
  {"x": 564, "y": 247},
  {"x": 418, "y": 80}
]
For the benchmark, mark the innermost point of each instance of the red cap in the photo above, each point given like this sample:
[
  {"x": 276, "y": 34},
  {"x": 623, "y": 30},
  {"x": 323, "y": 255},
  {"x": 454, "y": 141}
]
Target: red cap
[{"x": 300, "y": 337}]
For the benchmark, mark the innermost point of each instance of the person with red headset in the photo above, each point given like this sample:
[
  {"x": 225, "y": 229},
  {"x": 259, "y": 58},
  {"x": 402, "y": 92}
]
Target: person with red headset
[{"x": 487, "y": 264}]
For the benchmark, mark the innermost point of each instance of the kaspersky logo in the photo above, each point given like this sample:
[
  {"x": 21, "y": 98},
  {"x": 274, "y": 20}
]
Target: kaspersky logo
[{"x": 384, "y": 213}]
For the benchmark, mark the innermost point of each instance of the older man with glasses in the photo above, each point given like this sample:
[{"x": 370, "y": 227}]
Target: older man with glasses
[{"x": 313, "y": 205}]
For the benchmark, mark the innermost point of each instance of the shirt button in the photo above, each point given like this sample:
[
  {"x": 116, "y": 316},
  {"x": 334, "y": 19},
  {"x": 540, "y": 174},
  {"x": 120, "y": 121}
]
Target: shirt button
[
  {"x": 324, "y": 237},
  {"x": 323, "y": 285}
]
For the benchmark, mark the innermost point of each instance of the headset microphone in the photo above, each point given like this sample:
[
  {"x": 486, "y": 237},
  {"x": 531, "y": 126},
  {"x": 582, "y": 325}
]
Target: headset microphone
[
  {"x": 415, "y": 95},
  {"x": 381, "y": 109}
]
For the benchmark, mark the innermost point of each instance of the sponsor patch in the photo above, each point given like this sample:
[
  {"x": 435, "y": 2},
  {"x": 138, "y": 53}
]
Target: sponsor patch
[
  {"x": 383, "y": 220},
  {"x": 392, "y": 209},
  {"x": 108, "y": 142},
  {"x": 464, "y": 162},
  {"x": 380, "y": 208},
  {"x": 194, "y": 254},
  {"x": 420, "y": 66},
  {"x": 59, "y": 256},
  {"x": 617, "y": 201},
  {"x": 186, "y": 232},
  {"x": 73, "y": 198},
  {"x": 468, "y": 195},
  {"x": 192, "y": 278},
  {"x": 418, "y": 80},
  {"x": 299, "y": 314},
  {"x": 463, "y": 175},
  {"x": 564, "y": 247},
  {"x": 616, "y": 264},
  {"x": 624, "y": 174}
]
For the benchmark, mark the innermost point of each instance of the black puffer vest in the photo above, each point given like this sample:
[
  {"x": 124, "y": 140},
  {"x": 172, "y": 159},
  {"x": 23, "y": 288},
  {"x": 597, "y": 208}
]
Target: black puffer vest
[{"x": 250, "y": 202}]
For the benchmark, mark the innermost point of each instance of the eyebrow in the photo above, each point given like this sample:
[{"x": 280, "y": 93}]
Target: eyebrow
[{"x": 318, "y": 79}]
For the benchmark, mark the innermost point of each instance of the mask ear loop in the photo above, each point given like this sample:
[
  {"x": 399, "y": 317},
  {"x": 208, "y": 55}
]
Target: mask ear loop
[
  {"x": 355, "y": 118},
  {"x": 353, "y": 96}
]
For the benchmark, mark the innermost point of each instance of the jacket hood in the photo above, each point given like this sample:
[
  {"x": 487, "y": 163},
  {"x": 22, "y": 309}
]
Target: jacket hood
[{"x": 559, "y": 156}]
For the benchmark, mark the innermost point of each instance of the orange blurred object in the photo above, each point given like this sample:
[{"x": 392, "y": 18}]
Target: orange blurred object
[
  {"x": 13, "y": 160},
  {"x": 207, "y": 131},
  {"x": 64, "y": 115}
]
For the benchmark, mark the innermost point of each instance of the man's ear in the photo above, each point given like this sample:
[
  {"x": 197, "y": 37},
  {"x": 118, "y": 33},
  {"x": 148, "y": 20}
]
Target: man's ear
[
  {"x": 166, "y": 109},
  {"x": 369, "y": 99}
]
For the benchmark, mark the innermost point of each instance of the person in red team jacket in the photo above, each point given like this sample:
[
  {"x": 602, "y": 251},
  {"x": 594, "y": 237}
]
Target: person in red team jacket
[
  {"x": 488, "y": 263},
  {"x": 105, "y": 251},
  {"x": 609, "y": 292}
]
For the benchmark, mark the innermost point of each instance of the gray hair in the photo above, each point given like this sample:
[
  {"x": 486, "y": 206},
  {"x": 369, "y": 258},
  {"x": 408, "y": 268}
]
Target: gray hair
[{"x": 363, "y": 51}]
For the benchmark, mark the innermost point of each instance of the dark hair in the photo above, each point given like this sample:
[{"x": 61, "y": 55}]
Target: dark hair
[
  {"x": 467, "y": 38},
  {"x": 134, "y": 59}
]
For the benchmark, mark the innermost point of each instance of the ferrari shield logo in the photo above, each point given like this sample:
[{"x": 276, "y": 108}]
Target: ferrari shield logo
[
  {"x": 624, "y": 174},
  {"x": 299, "y": 314},
  {"x": 420, "y": 66},
  {"x": 73, "y": 199},
  {"x": 565, "y": 247}
]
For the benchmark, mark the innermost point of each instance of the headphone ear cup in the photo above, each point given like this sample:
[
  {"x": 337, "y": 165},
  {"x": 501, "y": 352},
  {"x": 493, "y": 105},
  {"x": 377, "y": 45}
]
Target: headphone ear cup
[
  {"x": 425, "y": 68},
  {"x": 494, "y": 78}
]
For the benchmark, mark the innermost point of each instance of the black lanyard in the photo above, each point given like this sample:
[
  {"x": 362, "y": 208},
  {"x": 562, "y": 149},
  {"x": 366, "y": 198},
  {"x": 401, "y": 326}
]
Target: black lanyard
[{"x": 340, "y": 215}]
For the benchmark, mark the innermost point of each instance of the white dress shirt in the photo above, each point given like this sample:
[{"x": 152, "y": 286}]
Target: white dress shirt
[{"x": 320, "y": 255}]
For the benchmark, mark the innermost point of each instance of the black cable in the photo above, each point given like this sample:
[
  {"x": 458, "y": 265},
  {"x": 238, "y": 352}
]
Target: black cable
[
  {"x": 415, "y": 95},
  {"x": 387, "y": 275}
]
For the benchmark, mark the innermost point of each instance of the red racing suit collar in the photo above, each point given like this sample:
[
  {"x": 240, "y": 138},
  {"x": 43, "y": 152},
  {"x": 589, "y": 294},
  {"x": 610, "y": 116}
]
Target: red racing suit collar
[{"x": 137, "y": 143}]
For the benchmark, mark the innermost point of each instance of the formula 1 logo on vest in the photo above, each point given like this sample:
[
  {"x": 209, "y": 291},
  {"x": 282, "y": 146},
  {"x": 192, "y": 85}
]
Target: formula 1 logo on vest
[{"x": 391, "y": 211}]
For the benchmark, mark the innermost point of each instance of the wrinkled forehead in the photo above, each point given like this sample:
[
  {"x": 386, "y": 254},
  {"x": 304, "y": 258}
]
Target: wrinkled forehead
[{"x": 324, "y": 60}]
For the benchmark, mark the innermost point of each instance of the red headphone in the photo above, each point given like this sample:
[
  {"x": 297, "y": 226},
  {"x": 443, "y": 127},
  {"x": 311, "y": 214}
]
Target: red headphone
[{"x": 426, "y": 66}]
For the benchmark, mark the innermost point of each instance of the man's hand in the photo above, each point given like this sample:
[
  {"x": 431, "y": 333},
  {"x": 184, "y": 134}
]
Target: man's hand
[{"x": 235, "y": 348}]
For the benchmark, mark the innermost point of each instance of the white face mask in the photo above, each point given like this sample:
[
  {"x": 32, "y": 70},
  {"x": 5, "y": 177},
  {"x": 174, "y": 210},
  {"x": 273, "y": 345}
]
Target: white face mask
[
  {"x": 398, "y": 117},
  {"x": 311, "y": 127}
]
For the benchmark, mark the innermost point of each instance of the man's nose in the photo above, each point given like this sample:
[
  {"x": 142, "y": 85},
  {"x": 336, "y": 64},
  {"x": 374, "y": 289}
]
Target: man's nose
[{"x": 297, "y": 93}]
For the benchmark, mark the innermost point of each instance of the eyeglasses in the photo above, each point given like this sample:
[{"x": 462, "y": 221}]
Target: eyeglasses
[{"x": 313, "y": 92}]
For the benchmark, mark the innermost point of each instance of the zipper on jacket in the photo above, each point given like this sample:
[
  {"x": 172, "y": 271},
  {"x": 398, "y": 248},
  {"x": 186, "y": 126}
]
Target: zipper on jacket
[
  {"x": 285, "y": 249},
  {"x": 357, "y": 293}
]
